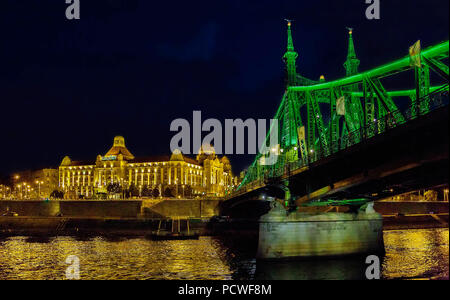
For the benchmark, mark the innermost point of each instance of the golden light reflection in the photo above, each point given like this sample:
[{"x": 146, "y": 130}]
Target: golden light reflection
[
  {"x": 416, "y": 253},
  {"x": 410, "y": 254}
]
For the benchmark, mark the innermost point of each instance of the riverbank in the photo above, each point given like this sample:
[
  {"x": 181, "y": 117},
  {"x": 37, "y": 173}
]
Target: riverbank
[
  {"x": 68, "y": 226},
  {"x": 59, "y": 226},
  {"x": 159, "y": 208},
  {"x": 141, "y": 217}
]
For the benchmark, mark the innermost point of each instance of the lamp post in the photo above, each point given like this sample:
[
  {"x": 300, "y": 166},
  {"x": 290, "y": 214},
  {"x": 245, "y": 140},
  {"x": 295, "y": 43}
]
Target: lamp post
[
  {"x": 15, "y": 184},
  {"x": 17, "y": 190},
  {"x": 27, "y": 191},
  {"x": 39, "y": 187}
]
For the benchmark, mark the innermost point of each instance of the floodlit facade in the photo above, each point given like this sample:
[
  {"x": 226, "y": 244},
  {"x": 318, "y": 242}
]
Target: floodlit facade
[
  {"x": 156, "y": 176},
  {"x": 34, "y": 184}
]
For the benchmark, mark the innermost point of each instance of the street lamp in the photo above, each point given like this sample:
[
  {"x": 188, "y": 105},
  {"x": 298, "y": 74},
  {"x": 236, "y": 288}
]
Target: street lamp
[
  {"x": 19, "y": 187},
  {"x": 39, "y": 186}
]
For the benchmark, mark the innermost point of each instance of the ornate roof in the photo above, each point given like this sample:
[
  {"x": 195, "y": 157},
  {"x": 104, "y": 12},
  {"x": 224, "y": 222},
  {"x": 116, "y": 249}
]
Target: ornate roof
[
  {"x": 160, "y": 158},
  {"x": 66, "y": 162},
  {"x": 119, "y": 148}
]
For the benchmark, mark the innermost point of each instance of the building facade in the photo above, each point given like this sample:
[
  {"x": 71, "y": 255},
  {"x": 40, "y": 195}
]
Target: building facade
[
  {"x": 158, "y": 176},
  {"x": 34, "y": 184}
]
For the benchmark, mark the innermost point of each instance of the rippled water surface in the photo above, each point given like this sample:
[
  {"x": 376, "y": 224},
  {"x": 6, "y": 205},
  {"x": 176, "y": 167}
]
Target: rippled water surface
[{"x": 410, "y": 254}]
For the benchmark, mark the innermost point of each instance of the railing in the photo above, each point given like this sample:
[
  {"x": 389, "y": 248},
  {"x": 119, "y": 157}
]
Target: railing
[{"x": 423, "y": 106}]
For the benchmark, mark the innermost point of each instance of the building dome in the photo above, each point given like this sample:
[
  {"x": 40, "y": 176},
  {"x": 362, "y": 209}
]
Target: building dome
[
  {"x": 176, "y": 155},
  {"x": 119, "y": 148},
  {"x": 66, "y": 161},
  {"x": 207, "y": 149},
  {"x": 206, "y": 152},
  {"x": 226, "y": 164}
]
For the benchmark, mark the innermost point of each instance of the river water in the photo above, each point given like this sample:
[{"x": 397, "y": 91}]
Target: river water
[{"x": 410, "y": 254}]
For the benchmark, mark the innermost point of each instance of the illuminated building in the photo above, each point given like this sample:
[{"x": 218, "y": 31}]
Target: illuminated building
[
  {"x": 5, "y": 191},
  {"x": 35, "y": 184},
  {"x": 168, "y": 176}
]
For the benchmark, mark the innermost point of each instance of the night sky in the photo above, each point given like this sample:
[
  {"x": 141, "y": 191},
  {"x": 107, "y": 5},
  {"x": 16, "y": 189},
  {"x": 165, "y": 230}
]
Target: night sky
[{"x": 130, "y": 67}]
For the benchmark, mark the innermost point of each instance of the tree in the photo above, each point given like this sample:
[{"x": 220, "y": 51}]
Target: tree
[
  {"x": 155, "y": 193},
  {"x": 168, "y": 192},
  {"x": 146, "y": 192},
  {"x": 133, "y": 191},
  {"x": 57, "y": 194},
  {"x": 114, "y": 188},
  {"x": 188, "y": 191}
]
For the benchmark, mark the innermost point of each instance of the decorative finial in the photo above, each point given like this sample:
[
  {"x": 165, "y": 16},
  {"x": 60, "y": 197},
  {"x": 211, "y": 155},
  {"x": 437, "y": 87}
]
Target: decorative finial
[
  {"x": 350, "y": 30},
  {"x": 289, "y": 22}
]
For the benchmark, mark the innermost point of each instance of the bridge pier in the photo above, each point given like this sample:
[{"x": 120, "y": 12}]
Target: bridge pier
[{"x": 284, "y": 235}]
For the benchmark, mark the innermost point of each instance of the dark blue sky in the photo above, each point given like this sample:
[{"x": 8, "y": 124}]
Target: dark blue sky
[{"x": 130, "y": 67}]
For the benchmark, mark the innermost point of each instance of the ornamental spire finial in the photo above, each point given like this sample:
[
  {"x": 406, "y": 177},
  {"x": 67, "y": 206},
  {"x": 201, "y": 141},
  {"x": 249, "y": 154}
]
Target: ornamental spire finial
[
  {"x": 290, "y": 43},
  {"x": 352, "y": 63}
]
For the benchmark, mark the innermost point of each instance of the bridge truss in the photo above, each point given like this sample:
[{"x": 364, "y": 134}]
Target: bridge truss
[{"x": 318, "y": 119}]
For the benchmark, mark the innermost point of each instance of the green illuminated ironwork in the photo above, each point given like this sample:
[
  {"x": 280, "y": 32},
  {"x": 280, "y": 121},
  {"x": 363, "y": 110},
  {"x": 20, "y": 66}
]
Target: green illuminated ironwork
[{"x": 370, "y": 109}]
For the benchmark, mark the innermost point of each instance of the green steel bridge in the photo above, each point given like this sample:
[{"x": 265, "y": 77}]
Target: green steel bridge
[{"x": 320, "y": 119}]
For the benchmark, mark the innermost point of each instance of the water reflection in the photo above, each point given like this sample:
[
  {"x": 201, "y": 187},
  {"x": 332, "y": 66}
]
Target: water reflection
[
  {"x": 417, "y": 253},
  {"x": 409, "y": 254},
  {"x": 326, "y": 269}
]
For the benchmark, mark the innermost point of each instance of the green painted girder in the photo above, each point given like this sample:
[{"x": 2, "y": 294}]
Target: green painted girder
[
  {"x": 437, "y": 66},
  {"x": 311, "y": 126},
  {"x": 288, "y": 123},
  {"x": 386, "y": 101},
  {"x": 346, "y": 202},
  {"x": 422, "y": 80},
  {"x": 349, "y": 118},
  {"x": 353, "y": 116},
  {"x": 369, "y": 108},
  {"x": 318, "y": 120},
  {"x": 401, "y": 93},
  {"x": 358, "y": 109},
  {"x": 334, "y": 120},
  {"x": 298, "y": 121},
  {"x": 403, "y": 64},
  {"x": 344, "y": 136},
  {"x": 381, "y": 113}
]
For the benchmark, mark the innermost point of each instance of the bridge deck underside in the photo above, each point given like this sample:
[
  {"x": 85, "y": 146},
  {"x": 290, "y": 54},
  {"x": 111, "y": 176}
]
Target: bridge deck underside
[{"x": 407, "y": 157}]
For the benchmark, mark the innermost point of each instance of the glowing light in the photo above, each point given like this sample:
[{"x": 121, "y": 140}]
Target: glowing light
[{"x": 431, "y": 52}]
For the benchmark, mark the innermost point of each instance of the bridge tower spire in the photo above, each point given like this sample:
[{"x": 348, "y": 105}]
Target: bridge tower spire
[
  {"x": 290, "y": 58},
  {"x": 352, "y": 63}
]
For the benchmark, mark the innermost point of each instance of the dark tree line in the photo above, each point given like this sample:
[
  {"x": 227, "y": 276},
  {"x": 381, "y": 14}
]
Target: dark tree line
[{"x": 146, "y": 191}]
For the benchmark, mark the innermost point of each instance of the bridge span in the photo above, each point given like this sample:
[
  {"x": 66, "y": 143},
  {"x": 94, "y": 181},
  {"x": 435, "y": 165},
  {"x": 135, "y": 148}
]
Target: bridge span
[
  {"x": 346, "y": 142},
  {"x": 354, "y": 137}
]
